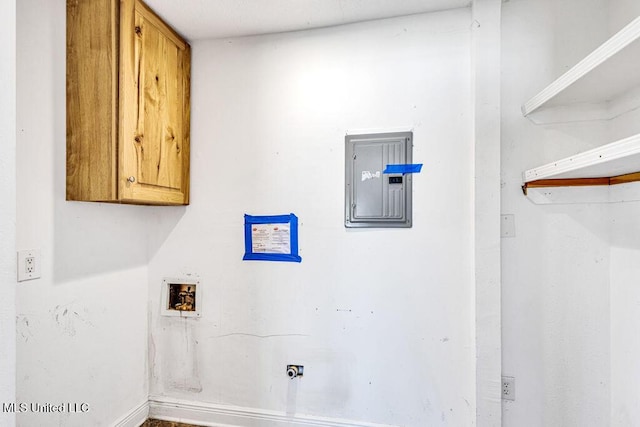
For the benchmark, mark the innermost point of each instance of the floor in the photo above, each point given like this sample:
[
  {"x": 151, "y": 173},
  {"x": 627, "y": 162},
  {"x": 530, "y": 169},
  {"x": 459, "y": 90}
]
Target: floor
[{"x": 159, "y": 423}]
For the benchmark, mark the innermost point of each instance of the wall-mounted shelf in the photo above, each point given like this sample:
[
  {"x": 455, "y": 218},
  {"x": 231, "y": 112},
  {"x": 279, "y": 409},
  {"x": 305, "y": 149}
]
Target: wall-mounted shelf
[
  {"x": 604, "y": 85},
  {"x": 599, "y": 169}
]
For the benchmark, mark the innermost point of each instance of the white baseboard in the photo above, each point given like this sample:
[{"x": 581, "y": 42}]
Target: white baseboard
[
  {"x": 136, "y": 417},
  {"x": 211, "y": 415}
]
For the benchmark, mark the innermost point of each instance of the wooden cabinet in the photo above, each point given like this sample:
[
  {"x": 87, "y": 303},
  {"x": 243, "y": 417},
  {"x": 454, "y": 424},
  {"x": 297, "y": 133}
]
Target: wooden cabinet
[{"x": 128, "y": 86}]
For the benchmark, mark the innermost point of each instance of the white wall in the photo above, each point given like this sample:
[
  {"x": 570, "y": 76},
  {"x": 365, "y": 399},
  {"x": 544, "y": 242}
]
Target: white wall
[
  {"x": 625, "y": 254},
  {"x": 625, "y": 298},
  {"x": 625, "y": 322},
  {"x": 8, "y": 207},
  {"x": 621, "y": 12},
  {"x": 381, "y": 319},
  {"x": 82, "y": 328},
  {"x": 567, "y": 286}
]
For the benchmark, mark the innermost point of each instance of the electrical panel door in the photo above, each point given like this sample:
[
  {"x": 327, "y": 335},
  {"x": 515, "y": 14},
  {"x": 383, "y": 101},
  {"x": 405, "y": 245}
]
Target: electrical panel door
[{"x": 373, "y": 198}]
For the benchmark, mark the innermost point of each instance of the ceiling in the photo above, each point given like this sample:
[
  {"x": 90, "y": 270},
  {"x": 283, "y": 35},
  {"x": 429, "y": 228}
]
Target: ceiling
[{"x": 203, "y": 19}]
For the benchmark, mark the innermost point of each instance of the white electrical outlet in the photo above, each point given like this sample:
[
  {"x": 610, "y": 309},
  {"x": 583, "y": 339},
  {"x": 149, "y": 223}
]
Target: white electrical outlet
[
  {"x": 508, "y": 388},
  {"x": 28, "y": 265}
]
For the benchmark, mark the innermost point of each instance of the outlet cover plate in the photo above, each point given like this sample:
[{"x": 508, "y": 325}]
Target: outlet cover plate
[
  {"x": 29, "y": 265},
  {"x": 508, "y": 388},
  {"x": 507, "y": 225}
]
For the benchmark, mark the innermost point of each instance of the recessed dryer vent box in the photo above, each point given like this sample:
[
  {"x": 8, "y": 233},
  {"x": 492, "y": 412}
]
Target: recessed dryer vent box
[
  {"x": 374, "y": 199},
  {"x": 181, "y": 297}
]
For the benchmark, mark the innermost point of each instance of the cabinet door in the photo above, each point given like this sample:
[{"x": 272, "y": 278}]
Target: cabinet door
[
  {"x": 154, "y": 110},
  {"x": 92, "y": 100}
]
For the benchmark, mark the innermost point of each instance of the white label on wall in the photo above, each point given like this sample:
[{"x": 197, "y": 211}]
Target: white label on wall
[{"x": 271, "y": 238}]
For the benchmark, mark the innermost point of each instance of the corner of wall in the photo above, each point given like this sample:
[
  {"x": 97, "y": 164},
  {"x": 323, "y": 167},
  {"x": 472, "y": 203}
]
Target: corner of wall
[
  {"x": 8, "y": 208},
  {"x": 486, "y": 97}
]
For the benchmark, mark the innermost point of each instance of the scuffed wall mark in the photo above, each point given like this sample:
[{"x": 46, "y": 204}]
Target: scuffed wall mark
[
  {"x": 399, "y": 33},
  {"x": 22, "y": 328},
  {"x": 149, "y": 363},
  {"x": 152, "y": 356},
  {"x": 258, "y": 336},
  {"x": 470, "y": 410},
  {"x": 348, "y": 310},
  {"x": 183, "y": 386},
  {"x": 185, "y": 375},
  {"x": 443, "y": 416},
  {"x": 68, "y": 318},
  {"x": 444, "y": 339}
]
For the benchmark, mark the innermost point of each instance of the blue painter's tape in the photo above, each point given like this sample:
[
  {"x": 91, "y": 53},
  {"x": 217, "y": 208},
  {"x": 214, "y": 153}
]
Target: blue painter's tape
[
  {"x": 403, "y": 169},
  {"x": 290, "y": 219}
]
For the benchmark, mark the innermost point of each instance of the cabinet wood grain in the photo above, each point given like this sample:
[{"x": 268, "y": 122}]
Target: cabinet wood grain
[{"x": 128, "y": 96}]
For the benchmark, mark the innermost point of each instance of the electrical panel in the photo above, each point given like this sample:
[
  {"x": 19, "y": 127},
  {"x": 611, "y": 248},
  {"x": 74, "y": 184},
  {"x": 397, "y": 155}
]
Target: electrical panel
[{"x": 374, "y": 198}]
